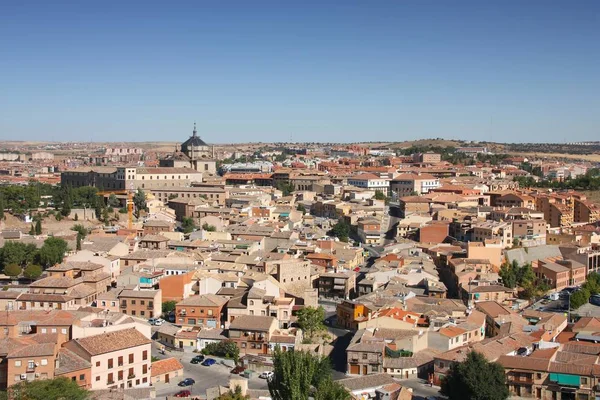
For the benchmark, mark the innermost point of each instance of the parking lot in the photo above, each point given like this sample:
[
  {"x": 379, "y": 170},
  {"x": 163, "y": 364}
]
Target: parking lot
[{"x": 205, "y": 377}]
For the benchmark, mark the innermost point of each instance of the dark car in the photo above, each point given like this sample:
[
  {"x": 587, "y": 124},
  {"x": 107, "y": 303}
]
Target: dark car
[
  {"x": 186, "y": 382},
  {"x": 208, "y": 362},
  {"x": 183, "y": 393},
  {"x": 197, "y": 359},
  {"x": 238, "y": 370}
]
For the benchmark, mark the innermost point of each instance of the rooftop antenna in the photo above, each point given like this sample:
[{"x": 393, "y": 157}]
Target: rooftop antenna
[{"x": 195, "y": 131}]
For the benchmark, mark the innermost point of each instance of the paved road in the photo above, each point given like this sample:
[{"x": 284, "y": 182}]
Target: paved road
[
  {"x": 421, "y": 389},
  {"x": 205, "y": 377}
]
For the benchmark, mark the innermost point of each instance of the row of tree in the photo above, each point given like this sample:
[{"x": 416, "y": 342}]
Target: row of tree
[
  {"x": 16, "y": 257},
  {"x": 589, "y": 181},
  {"x": 588, "y": 289},
  {"x": 514, "y": 275}
]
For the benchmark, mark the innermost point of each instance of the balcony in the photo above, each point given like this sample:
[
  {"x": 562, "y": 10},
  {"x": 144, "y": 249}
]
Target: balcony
[
  {"x": 131, "y": 376},
  {"x": 520, "y": 380},
  {"x": 149, "y": 307},
  {"x": 123, "y": 305}
]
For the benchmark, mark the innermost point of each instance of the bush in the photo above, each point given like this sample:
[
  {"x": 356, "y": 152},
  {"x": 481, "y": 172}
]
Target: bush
[
  {"x": 225, "y": 348},
  {"x": 13, "y": 270}
]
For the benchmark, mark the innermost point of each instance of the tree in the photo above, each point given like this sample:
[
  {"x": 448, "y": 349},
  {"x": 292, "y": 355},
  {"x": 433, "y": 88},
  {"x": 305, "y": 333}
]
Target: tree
[
  {"x": 379, "y": 195},
  {"x": 310, "y": 320},
  {"x": 38, "y": 227},
  {"x": 168, "y": 306},
  {"x": 32, "y": 271},
  {"x": 48, "y": 389},
  {"x": 13, "y": 270},
  {"x": 224, "y": 348},
  {"x": 475, "y": 379},
  {"x": 286, "y": 188},
  {"x": 105, "y": 216},
  {"x": 208, "y": 228},
  {"x": 2, "y": 206},
  {"x": 80, "y": 229},
  {"x": 188, "y": 225},
  {"x": 139, "y": 200},
  {"x": 78, "y": 243},
  {"x": 341, "y": 230},
  {"x": 113, "y": 201},
  {"x": 300, "y": 207},
  {"x": 235, "y": 394},
  {"x": 53, "y": 251},
  {"x": 300, "y": 375},
  {"x": 13, "y": 253},
  {"x": 32, "y": 230}
]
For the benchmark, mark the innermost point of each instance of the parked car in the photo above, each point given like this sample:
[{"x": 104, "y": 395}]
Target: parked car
[
  {"x": 183, "y": 393},
  {"x": 186, "y": 382},
  {"x": 152, "y": 321},
  {"x": 238, "y": 370},
  {"x": 266, "y": 375},
  {"x": 197, "y": 359},
  {"x": 159, "y": 321},
  {"x": 209, "y": 361}
]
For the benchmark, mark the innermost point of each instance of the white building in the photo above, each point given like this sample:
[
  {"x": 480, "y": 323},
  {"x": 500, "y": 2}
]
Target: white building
[{"x": 370, "y": 182}]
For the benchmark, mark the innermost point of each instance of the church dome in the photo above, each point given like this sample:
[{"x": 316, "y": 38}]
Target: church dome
[{"x": 193, "y": 141}]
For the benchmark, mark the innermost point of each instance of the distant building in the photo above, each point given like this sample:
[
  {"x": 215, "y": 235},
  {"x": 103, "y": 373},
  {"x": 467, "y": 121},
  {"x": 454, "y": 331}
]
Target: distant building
[{"x": 194, "y": 154}]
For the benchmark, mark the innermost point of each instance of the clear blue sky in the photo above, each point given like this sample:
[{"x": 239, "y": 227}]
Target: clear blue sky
[{"x": 317, "y": 70}]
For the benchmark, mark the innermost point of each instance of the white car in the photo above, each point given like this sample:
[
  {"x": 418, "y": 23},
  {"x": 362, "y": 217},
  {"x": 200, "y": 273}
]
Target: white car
[
  {"x": 267, "y": 375},
  {"x": 159, "y": 322}
]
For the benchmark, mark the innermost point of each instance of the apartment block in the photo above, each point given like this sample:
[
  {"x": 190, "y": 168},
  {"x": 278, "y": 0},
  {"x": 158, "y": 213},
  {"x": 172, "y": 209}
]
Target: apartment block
[{"x": 140, "y": 303}]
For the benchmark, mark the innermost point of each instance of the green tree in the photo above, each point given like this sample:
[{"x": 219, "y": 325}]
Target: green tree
[
  {"x": 78, "y": 242},
  {"x": 300, "y": 375},
  {"x": 82, "y": 230},
  {"x": 113, "y": 201},
  {"x": 2, "y": 206},
  {"x": 379, "y": 195},
  {"x": 38, "y": 227},
  {"x": 168, "y": 306},
  {"x": 13, "y": 270},
  {"x": 188, "y": 225},
  {"x": 48, "y": 389},
  {"x": 32, "y": 271},
  {"x": 475, "y": 379},
  {"x": 32, "y": 230},
  {"x": 300, "y": 207},
  {"x": 580, "y": 297},
  {"x": 14, "y": 253},
  {"x": 139, "y": 200},
  {"x": 208, "y": 228},
  {"x": 286, "y": 188},
  {"x": 310, "y": 320},
  {"x": 53, "y": 251},
  {"x": 105, "y": 216},
  {"x": 341, "y": 230},
  {"x": 235, "y": 394},
  {"x": 224, "y": 348}
]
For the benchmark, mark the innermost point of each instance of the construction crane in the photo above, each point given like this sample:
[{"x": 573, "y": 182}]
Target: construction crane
[{"x": 129, "y": 194}]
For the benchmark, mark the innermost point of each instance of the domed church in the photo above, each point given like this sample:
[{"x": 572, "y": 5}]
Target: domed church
[{"x": 193, "y": 153}]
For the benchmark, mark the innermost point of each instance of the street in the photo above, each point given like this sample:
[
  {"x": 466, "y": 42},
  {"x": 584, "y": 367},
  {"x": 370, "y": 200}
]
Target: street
[{"x": 205, "y": 377}]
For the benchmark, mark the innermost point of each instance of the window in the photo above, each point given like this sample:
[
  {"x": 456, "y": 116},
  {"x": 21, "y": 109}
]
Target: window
[
  {"x": 143, "y": 302},
  {"x": 82, "y": 377},
  {"x": 110, "y": 378},
  {"x": 97, "y": 378},
  {"x": 103, "y": 303},
  {"x": 131, "y": 358},
  {"x": 110, "y": 364},
  {"x": 120, "y": 361},
  {"x": 97, "y": 363},
  {"x": 132, "y": 302},
  {"x": 243, "y": 345},
  {"x": 53, "y": 330},
  {"x": 30, "y": 364},
  {"x": 17, "y": 363},
  {"x": 374, "y": 368},
  {"x": 133, "y": 312},
  {"x": 44, "y": 361},
  {"x": 145, "y": 368},
  {"x": 364, "y": 356},
  {"x": 210, "y": 312},
  {"x": 441, "y": 365},
  {"x": 44, "y": 330},
  {"x": 120, "y": 376},
  {"x": 63, "y": 331},
  {"x": 584, "y": 380},
  {"x": 145, "y": 355}
]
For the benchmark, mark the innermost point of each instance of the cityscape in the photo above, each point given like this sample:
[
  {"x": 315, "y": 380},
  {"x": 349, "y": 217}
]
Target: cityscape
[{"x": 343, "y": 251}]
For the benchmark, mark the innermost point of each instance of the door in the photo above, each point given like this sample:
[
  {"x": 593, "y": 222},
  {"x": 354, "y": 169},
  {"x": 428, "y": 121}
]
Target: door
[
  {"x": 354, "y": 369},
  {"x": 364, "y": 370},
  {"x": 167, "y": 379}
]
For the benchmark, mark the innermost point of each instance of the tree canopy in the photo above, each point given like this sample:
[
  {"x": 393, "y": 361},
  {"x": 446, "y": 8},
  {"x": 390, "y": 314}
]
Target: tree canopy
[
  {"x": 514, "y": 275},
  {"x": 168, "y": 306},
  {"x": 341, "y": 230},
  {"x": 48, "y": 389},
  {"x": 300, "y": 375},
  {"x": 310, "y": 320},
  {"x": 475, "y": 379},
  {"x": 12, "y": 270},
  {"x": 32, "y": 271},
  {"x": 188, "y": 225},
  {"x": 139, "y": 200},
  {"x": 52, "y": 252},
  {"x": 589, "y": 288},
  {"x": 235, "y": 394}
]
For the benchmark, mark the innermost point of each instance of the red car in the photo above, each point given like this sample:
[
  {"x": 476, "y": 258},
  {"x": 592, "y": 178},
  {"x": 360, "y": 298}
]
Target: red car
[
  {"x": 183, "y": 393},
  {"x": 238, "y": 370}
]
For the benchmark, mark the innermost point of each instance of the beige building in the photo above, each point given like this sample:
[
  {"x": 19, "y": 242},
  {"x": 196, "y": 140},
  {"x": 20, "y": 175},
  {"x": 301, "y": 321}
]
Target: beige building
[
  {"x": 141, "y": 303},
  {"x": 119, "y": 359},
  {"x": 492, "y": 230}
]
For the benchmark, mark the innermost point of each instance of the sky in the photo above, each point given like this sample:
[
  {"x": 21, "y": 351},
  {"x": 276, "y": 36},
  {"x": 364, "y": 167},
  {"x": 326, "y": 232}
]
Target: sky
[{"x": 326, "y": 71}]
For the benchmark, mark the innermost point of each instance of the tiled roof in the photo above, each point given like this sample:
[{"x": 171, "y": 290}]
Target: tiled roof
[
  {"x": 112, "y": 341},
  {"x": 70, "y": 362},
  {"x": 367, "y": 381},
  {"x": 205, "y": 300},
  {"x": 252, "y": 323},
  {"x": 162, "y": 367}
]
